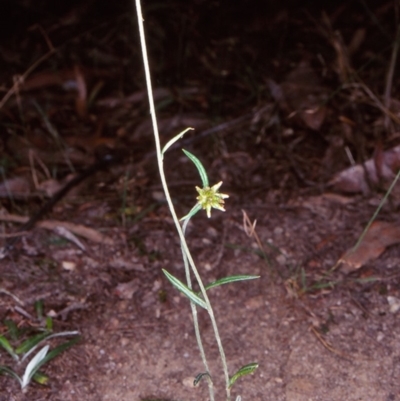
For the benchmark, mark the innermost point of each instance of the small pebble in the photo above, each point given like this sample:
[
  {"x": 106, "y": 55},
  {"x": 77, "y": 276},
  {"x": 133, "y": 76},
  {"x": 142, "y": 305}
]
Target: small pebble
[
  {"x": 188, "y": 382},
  {"x": 394, "y": 304}
]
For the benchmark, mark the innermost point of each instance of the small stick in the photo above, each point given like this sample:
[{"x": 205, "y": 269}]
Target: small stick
[{"x": 389, "y": 77}]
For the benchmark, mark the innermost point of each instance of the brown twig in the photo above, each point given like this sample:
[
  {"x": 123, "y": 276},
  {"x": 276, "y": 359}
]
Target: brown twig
[
  {"x": 326, "y": 344},
  {"x": 22, "y": 78},
  {"x": 389, "y": 78}
]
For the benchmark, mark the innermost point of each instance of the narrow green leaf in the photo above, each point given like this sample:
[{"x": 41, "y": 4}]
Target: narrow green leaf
[
  {"x": 10, "y": 372},
  {"x": 7, "y": 346},
  {"x": 199, "y": 166},
  {"x": 198, "y": 378},
  {"x": 184, "y": 289},
  {"x": 42, "y": 357},
  {"x": 48, "y": 337},
  {"x": 40, "y": 378},
  {"x": 321, "y": 285},
  {"x": 31, "y": 342},
  {"x": 244, "y": 370},
  {"x": 59, "y": 349},
  {"x": 49, "y": 323},
  {"x": 230, "y": 279},
  {"x": 173, "y": 140},
  {"x": 194, "y": 210},
  {"x": 13, "y": 330},
  {"x": 39, "y": 309},
  {"x": 33, "y": 366}
]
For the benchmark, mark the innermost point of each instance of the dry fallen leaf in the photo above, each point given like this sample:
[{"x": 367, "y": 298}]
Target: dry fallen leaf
[
  {"x": 381, "y": 168},
  {"x": 78, "y": 229},
  {"x": 379, "y": 236}
]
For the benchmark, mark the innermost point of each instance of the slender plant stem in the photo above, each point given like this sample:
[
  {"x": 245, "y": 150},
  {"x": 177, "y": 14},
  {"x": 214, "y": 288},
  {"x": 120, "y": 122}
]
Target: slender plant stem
[
  {"x": 196, "y": 319},
  {"x": 212, "y": 318},
  {"x": 169, "y": 200}
]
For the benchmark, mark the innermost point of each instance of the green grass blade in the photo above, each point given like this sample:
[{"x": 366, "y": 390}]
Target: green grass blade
[
  {"x": 6, "y": 370},
  {"x": 30, "y": 343},
  {"x": 230, "y": 279},
  {"x": 184, "y": 289},
  {"x": 48, "y": 337},
  {"x": 199, "y": 166},
  {"x": 13, "y": 330},
  {"x": 42, "y": 357},
  {"x": 40, "y": 377},
  {"x": 378, "y": 209},
  {"x": 7, "y": 346},
  {"x": 321, "y": 286},
  {"x": 49, "y": 323},
  {"x": 58, "y": 350},
  {"x": 244, "y": 370},
  {"x": 39, "y": 307}
]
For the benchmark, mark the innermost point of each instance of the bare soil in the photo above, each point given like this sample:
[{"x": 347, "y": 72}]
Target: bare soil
[{"x": 138, "y": 343}]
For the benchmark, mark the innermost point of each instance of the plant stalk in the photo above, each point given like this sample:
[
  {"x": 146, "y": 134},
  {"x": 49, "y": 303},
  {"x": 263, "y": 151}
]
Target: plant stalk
[{"x": 169, "y": 200}]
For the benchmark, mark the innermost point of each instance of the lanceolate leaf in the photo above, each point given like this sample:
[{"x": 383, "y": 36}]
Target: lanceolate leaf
[
  {"x": 34, "y": 365},
  {"x": 31, "y": 343},
  {"x": 42, "y": 357},
  {"x": 185, "y": 290},
  {"x": 40, "y": 378},
  {"x": 173, "y": 140},
  {"x": 244, "y": 370},
  {"x": 49, "y": 323},
  {"x": 39, "y": 309},
  {"x": 199, "y": 166},
  {"x": 48, "y": 337},
  {"x": 198, "y": 378},
  {"x": 13, "y": 331},
  {"x": 7, "y": 346},
  {"x": 230, "y": 279},
  {"x": 56, "y": 351},
  {"x": 192, "y": 212}
]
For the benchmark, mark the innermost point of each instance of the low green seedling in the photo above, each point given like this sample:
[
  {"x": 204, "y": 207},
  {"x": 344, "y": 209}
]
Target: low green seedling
[{"x": 23, "y": 353}]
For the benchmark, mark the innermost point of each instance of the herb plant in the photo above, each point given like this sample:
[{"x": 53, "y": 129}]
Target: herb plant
[
  {"x": 15, "y": 342},
  {"x": 208, "y": 198}
]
